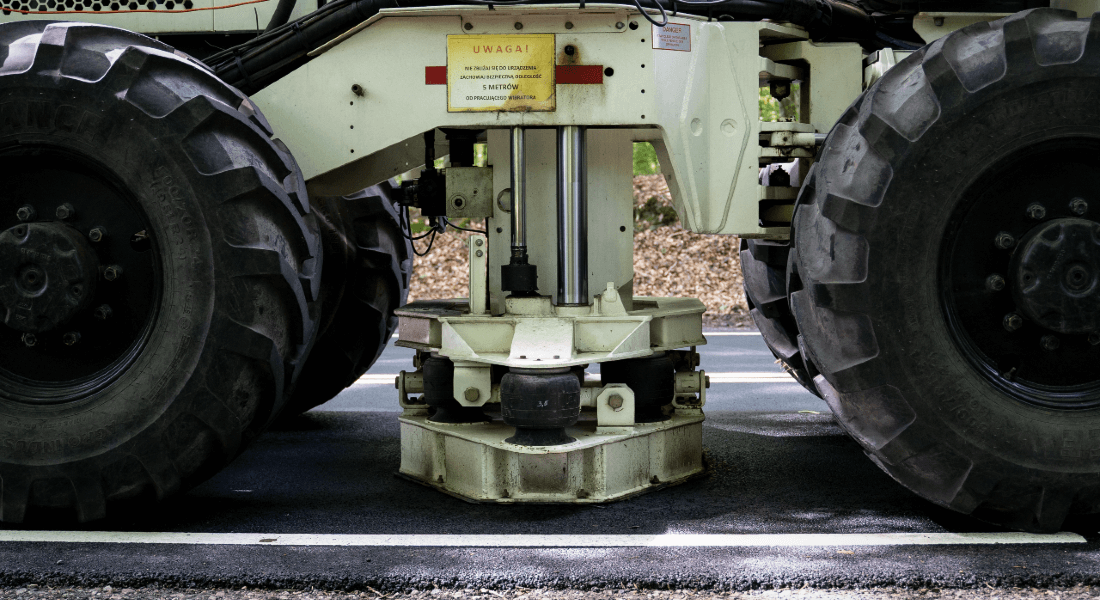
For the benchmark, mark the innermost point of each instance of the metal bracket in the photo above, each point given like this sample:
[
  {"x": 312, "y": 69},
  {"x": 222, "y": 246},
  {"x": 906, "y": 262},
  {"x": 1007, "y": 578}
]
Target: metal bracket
[
  {"x": 615, "y": 409},
  {"x": 473, "y": 384},
  {"x": 411, "y": 383},
  {"x": 469, "y": 192},
  {"x": 691, "y": 392}
]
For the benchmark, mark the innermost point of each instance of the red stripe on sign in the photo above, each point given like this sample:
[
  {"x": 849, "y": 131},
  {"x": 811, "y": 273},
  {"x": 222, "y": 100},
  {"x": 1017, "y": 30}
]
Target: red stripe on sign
[
  {"x": 579, "y": 74},
  {"x": 435, "y": 75}
]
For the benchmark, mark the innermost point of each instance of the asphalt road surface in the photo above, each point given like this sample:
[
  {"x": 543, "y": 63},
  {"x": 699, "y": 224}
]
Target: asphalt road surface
[{"x": 789, "y": 500}]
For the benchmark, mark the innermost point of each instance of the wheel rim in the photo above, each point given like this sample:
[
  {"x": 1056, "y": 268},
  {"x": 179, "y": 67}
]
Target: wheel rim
[
  {"x": 79, "y": 278},
  {"x": 1020, "y": 274}
]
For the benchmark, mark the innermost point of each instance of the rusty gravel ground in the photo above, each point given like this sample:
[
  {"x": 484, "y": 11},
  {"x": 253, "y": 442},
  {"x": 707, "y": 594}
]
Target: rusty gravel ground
[
  {"x": 29, "y": 592},
  {"x": 668, "y": 261}
]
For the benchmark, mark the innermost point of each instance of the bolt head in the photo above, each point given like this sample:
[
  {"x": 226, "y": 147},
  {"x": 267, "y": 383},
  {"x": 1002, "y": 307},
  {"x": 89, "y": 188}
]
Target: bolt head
[
  {"x": 568, "y": 24},
  {"x": 112, "y": 272},
  {"x": 620, "y": 25},
  {"x": 468, "y": 26},
  {"x": 1049, "y": 343},
  {"x": 472, "y": 394},
  {"x": 29, "y": 339},
  {"x": 71, "y": 338},
  {"x": 96, "y": 235},
  {"x": 615, "y": 401},
  {"x": 65, "y": 211},
  {"x": 519, "y": 25},
  {"x": 1013, "y": 321},
  {"x": 1004, "y": 240},
  {"x": 1094, "y": 339},
  {"x": 1036, "y": 211},
  {"x": 25, "y": 213},
  {"x": 103, "y": 312},
  {"x": 994, "y": 283},
  {"x": 1078, "y": 206}
]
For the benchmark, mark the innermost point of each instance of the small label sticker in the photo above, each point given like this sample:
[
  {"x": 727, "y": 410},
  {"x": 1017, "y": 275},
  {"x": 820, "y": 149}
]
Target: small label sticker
[
  {"x": 672, "y": 36},
  {"x": 500, "y": 73}
]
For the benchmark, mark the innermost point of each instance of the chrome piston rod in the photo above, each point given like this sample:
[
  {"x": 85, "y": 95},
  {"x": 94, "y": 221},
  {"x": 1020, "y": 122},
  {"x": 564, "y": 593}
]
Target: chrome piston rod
[
  {"x": 519, "y": 193},
  {"x": 572, "y": 217}
]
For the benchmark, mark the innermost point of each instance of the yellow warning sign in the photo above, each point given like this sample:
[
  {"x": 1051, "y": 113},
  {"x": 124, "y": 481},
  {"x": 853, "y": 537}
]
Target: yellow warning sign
[{"x": 500, "y": 73}]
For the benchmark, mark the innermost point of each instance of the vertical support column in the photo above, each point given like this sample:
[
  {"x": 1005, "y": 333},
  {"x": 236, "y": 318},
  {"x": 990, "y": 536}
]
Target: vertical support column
[
  {"x": 518, "y": 276},
  {"x": 572, "y": 217},
  {"x": 519, "y": 193}
]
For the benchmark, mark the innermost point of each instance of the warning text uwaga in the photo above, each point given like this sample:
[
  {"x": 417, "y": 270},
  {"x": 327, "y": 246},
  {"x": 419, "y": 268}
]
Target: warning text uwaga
[{"x": 500, "y": 72}]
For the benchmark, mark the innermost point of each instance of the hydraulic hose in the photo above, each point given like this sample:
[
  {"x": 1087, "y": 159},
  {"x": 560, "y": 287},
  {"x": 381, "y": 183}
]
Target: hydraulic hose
[{"x": 281, "y": 14}]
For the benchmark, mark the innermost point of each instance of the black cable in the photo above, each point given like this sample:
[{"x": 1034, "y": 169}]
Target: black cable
[
  {"x": 281, "y": 14},
  {"x": 406, "y": 225},
  {"x": 428, "y": 249},
  {"x": 664, "y": 15},
  {"x": 481, "y": 231}
]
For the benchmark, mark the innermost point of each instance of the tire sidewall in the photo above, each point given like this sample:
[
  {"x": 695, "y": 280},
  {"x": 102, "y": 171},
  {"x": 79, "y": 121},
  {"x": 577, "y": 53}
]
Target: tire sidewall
[
  {"x": 943, "y": 389},
  {"x": 142, "y": 156}
]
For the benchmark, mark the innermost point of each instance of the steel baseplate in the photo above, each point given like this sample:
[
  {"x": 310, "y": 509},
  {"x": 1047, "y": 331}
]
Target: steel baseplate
[{"x": 474, "y": 462}]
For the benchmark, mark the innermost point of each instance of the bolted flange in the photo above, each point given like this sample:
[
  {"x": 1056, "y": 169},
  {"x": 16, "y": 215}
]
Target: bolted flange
[
  {"x": 1056, "y": 275},
  {"x": 47, "y": 275}
]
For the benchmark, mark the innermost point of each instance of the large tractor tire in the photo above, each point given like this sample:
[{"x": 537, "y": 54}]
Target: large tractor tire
[
  {"x": 368, "y": 265},
  {"x": 158, "y": 270},
  {"x": 764, "y": 270},
  {"x": 948, "y": 244}
]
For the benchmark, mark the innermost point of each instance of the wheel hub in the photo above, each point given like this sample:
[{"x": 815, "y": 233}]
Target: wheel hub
[
  {"x": 1057, "y": 275},
  {"x": 47, "y": 275}
]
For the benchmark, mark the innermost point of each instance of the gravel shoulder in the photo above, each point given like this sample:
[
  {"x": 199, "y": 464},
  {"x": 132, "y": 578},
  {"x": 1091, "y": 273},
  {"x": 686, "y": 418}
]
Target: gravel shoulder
[{"x": 28, "y": 592}]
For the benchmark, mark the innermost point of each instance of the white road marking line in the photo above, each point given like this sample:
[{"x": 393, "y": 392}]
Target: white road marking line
[
  {"x": 705, "y": 333},
  {"x": 733, "y": 377},
  {"x": 668, "y": 540}
]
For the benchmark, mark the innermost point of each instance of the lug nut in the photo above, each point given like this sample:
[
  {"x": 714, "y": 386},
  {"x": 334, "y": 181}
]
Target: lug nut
[
  {"x": 96, "y": 235},
  {"x": 1049, "y": 343},
  {"x": 65, "y": 211},
  {"x": 103, "y": 312},
  {"x": 29, "y": 339},
  {"x": 1094, "y": 339},
  {"x": 71, "y": 338},
  {"x": 112, "y": 272},
  {"x": 1004, "y": 240},
  {"x": 1013, "y": 321},
  {"x": 25, "y": 213},
  {"x": 1036, "y": 211},
  {"x": 994, "y": 283},
  {"x": 1078, "y": 206}
]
